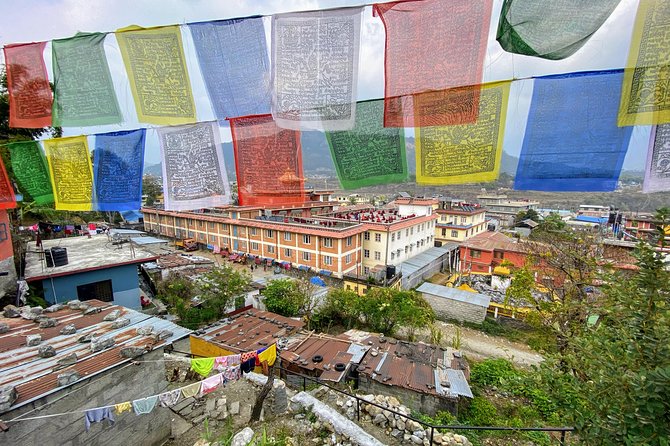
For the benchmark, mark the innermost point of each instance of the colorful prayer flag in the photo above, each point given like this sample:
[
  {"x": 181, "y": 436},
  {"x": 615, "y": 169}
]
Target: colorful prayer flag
[
  {"x": 550, "y": 29},
  {"x": 465, "y": 153},
  {"x": 28, "y": 86},
  {"x": 31, "y": 171},
  {"x": 156, "y": 66},
  {"x": 657, "y": 171},
  {"x": 118, "y": 164},
  {"x": 268, "y": 162},
  {"x": 315, "y": 68},
  {"x": 233, "y": 59},
  {"x": 7, "y": 197},
  {"x": 645, "y": 97},
  {"x": 194, "y": 173},
  {"x": 572, "y": 142},
  {"x": 71, "y": 173},
  {"x": 433, "y": 108},
  {"x": 369, "y": 154},
  {"x": 432, "y": 45},
  {"x": 84, "y": 92}
]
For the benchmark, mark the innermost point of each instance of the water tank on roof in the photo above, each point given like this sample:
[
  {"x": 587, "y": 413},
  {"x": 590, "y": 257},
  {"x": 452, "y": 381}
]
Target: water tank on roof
[
  {"x": 59, "y": 256},
  {"x": 48, "y": 258}
]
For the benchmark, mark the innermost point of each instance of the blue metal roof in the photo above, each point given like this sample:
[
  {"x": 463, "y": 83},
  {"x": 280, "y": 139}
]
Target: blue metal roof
[{"x": 586, "y": 218}]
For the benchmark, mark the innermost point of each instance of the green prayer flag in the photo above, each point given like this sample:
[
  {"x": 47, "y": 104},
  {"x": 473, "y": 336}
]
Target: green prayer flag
[
  {"x": 83, "y": 88},
  {"x": 31, "y": 171},
  {"x": 550, "y": 29},
  {"x": 369, "y": 154}
]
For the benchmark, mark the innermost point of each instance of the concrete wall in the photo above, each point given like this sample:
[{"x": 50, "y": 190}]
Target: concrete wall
[
  {"x": 455, "y": 310},
  {"x": 420, "y": 402},
  {"x": 113, "y": 386},
  {"x": 125, "y": 285}
]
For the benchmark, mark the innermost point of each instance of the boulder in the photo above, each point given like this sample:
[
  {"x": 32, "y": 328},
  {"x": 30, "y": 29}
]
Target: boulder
[
  {"x": 132, "y": 352},
  {"x": 67, "y": 378},
  {"x": 48, "y": 322},
  {"x": 46, "y": 351},
  {"x": 163, "y": 334},
  {"x": 99, "y": 344},
  {"x": 243, "y": 437},
  {"x": 120, "y": 323},
  {"x": 380, "y": 420},
  {"x": 91, "y": 310},
  {"x": 115, "y": 314},
  {"x": 33, "y": 340},
  {"x": 11, "y": 311},
  {"x": 86, "y": 338},
  {"x": 67, "y": 360},
  {"x": 28, "y": 315},
  {"x": 392, "y": 401},
  {"x": 68, "y": 330},
  {"x": 416, "y": 440},
  {"x": 36, "y": 310},
  {"x": 73, "y": 304},
  {"x": 8, "y": 395},
  {"x": 54, "y": 308},
  {"x": 234, "y": 408},
  {"x": 4, "y": 328},
  {"x": 145, "y": 331}
]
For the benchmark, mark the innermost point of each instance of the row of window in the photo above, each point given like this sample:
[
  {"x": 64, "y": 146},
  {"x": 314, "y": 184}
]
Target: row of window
[
  {"x": 398, "y": 234},
  {"x": 306, "y": 256}
]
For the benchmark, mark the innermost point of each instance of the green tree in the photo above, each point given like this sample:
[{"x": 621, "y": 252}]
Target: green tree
[
  {"x": 552, "y": 222},
  {"x": 152, "y": 188},
  {"x": 523, "y": 283},
  {"x": 385, "y": 310},
  {"x": 176, "y": 291},
  {"x": 342, "y": 307},
  {"x": 221, "y": 286},
  {"x": 530, "y": 214},
  {"x": 285, "y": 297}
]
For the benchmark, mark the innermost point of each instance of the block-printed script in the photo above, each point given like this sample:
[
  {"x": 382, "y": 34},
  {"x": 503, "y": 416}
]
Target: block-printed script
[
  {"x": 71, "y": 173},
  {"x": 369, "y": 154},
  {"x": 7, "y": 198},
  {"x": 193, "y": 166},
  {"x": 83, "y": 84},
  {"x": 464, "y": 150},
  {"x": 657, "y": 175},
  {"x": 118, "y": 165},
  {"x": 315, "y": 68},
  {"x": 157, "y": 71},
  {"x": 268, "y": 160},
  {"x": 30, "y": 96},
  {"x": 30, "y": 169}
]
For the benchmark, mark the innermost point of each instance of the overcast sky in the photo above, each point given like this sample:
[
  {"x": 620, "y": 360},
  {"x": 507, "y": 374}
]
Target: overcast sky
[{"x": 44, "y": 20}]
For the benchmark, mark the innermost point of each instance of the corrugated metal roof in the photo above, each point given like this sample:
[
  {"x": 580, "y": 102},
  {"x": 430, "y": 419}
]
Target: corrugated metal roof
[
  {"x": 456, "y": 294},
  {"x": 249, "y": 330},
  {"x": 419, "y": 261},
  {"x": 458, "y": 384},
  {"x": 36, "y": 377},
  {"x": 147, "y": 240}
]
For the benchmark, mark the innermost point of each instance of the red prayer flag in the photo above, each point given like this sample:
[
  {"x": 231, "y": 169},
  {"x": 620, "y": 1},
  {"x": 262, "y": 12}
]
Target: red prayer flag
[
  {"x": 268, "y": 162},
  {"x": 30, "y": 96},
  {"x": 433, "y": 62},
  {"x": 7, "y": 197}
]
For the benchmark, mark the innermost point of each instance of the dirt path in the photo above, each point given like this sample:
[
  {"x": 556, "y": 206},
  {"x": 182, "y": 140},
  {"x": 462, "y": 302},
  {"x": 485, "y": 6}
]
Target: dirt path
[{"x": 478, "y": 346}]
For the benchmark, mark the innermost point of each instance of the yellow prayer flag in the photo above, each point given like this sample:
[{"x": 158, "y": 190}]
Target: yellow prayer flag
[
  {"x": 465, "y": 153},
  {"x": 644, "y": 93},
  {"x": 156, "y": 66},
  {"x": 71, "y": 173}
]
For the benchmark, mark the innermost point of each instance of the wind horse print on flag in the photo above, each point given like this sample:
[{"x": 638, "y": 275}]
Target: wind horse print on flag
[
  {"x": 315, "y": 69},
  {"x": 31, "y": 171},
  {"x": 156, "y": 66},
  {"x": 233, "y": 58},
  {"x": 118, "y": 163},
  {"x": 369, "y": 154},
  {"x": 657, "y": 171},
  {"x": 572, "y": 142},
  {"x": 268, "y": 162},
  {"x": 645, "y": 94},
  {"x": 550, "y": 29},
  {"x": 465, "y": 153},
  {"x": 433, "y": 46},
  {"x": 194, "y": 173},
  {"x": 71, "y": 173},
  {"x": 30, "y": 96},
  {"x": 7, "y": 197},
  {"x": 84, "y": 92}
]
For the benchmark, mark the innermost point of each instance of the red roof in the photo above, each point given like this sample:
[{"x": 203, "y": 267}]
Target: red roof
[{"x": 489, "y": 241}]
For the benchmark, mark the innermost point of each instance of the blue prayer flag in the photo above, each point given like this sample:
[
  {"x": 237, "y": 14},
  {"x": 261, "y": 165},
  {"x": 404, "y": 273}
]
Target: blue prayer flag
[
  {"x": 118, "y": 162},
  {"x": 572, "y": 142},
  {"x": 234, "y": 62}
]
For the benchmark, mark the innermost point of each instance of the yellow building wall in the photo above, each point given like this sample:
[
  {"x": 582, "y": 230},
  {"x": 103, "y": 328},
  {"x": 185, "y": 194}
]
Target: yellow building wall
[{"x": 200, "y": 347}]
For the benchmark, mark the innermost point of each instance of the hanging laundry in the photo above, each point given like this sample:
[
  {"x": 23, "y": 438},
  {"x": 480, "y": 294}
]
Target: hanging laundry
[
  {"x": 220, "y": 363},
  {"x": 210, "y": 384},
  {"x": 31, "y": 171},
  {"x": 538, "y": 27},
  {"x": 233, "y": 59},
  {"x": 644, "y": 95},
  {"x": 244, "y": 357},
  {"x": 69, "y": 229},
  {"x": 83, "y": 89},
  {"x": 315, "y": 68},
  {"x": 97, "y": 416},
  {"x": 466, "y": 153},
  {"x": 572, "y": 142},
  {"x": 145, "y": 405},
  {"x": 232, "y": 373},
  {"x": 30, "y": 96},
  {"x": 431, "y": 46},
  {"x": 216, "y": 249},
  {"x": 118, "y": 164},
  {"x": 369, "y": 154},
  {"x": 194, "y": 173},
  {"x": 234, "y": 360},
  {"x": 248, "y": 365},
  {"x": 122, "y": 407},
  {"x": 169, "y": 399},
  {"x": 657, "y": 169},
  {"x": 71, "y": 173},
  {"x": 159, "y": 80},
  {"x": 191, "y": 390},
  {"x": 268, "y": 161},
  {"x": 269, "y": 355},
  {"x": 7, "y": 197},
  {"x": 202, "y": 366}
]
